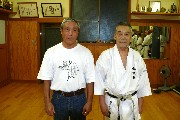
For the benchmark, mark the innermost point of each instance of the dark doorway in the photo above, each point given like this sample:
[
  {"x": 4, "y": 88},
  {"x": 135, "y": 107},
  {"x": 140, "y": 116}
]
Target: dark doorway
[{"x": 49, "y": 36}]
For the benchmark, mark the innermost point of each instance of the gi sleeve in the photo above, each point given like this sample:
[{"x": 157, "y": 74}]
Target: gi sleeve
[
  {"x": 144, "y": 84},
  {"x": 100, "y": 75}
]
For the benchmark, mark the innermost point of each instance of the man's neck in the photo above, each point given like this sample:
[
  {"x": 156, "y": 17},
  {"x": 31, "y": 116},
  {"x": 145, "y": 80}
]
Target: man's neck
[
  {"x": 69, "y": 46},
  {"x": 123, "y": 49}
]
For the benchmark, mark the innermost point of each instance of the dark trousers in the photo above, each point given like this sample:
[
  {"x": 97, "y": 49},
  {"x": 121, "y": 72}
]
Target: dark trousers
[{"x": 68, "y": 107}]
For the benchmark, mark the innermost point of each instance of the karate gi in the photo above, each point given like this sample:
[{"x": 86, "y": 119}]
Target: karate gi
[
  {"x": 133, "y": 42},
  {"x": 119, "y": 81},
  {"x": 147, "y": 41},
  {"x": 163, "y": 41},
  {"x": 139, "y": 45}
]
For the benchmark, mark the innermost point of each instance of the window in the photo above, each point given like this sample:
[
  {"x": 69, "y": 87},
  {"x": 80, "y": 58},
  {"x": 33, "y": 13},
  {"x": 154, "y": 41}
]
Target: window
[{"x": 98, "y": 18}]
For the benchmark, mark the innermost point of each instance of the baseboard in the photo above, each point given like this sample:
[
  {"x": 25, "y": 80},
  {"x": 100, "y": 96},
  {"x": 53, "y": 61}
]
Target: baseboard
[
  {"x": 28, "y": 81},
  {"x": 4, "y": 83}
]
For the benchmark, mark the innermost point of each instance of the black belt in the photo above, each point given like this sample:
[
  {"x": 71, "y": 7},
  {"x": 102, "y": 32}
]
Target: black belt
[
  {"x": 122, "y": 98},
  {"x": 73, "y": 93}
]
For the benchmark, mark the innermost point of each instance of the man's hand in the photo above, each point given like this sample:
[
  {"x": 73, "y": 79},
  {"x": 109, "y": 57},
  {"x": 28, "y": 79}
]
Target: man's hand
[
  {"x": 87, "y": 108},
  {"x": 49, "y": 109},
  {"x": 104, "y": 109},
  {"x": 103, "y": 105}
]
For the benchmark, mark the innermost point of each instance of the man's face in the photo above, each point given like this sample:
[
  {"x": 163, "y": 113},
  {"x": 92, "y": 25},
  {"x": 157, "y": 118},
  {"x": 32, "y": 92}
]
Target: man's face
[
  {"x": 123, "y": 36},
  {"x": 69, "y": 34},
  {"x": 146, "y": 32}
]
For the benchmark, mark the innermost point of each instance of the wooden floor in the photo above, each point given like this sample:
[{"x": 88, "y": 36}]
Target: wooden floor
[{"x": 24, "y": 101}]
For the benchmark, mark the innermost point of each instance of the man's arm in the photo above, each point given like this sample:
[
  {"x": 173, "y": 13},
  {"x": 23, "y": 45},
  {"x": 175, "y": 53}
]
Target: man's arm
[
  {"x": 90, "y": 92},
  {"x": 48, "y": 105},
  {"x": 103, "y": 105}
]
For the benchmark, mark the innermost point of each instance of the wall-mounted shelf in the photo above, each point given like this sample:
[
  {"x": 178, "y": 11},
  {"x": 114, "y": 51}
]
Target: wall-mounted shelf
[
  {"x": 4, "y": 11},
  {"x": 155, "y": 13},
  {"x": 136, "y": 13}
]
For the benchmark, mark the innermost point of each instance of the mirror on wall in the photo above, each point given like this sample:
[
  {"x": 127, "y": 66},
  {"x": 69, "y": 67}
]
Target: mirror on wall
[{"x": 151, "y": 41}]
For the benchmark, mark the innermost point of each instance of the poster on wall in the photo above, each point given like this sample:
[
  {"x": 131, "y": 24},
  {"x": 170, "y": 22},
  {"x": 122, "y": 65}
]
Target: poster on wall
[
  {"x": 51, "y": 9},
  {"x": 28, "y": 9}
]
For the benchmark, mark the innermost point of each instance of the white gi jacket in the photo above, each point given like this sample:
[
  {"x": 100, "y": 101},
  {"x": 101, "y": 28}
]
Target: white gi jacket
[
  {"x": 116, "y": 80},
  {"x": 146, "y": 45}
]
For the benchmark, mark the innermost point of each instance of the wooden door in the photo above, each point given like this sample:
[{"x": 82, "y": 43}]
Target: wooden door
[{"x": 23, "y": 50}]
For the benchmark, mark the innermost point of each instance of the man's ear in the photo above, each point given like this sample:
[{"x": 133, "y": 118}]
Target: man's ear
[
  {"x": 114, "y": 36},
  {"x": 61, "y": 30}
]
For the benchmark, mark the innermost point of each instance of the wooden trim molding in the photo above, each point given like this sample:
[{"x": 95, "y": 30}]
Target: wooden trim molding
[{"x": 39, "y": 20}]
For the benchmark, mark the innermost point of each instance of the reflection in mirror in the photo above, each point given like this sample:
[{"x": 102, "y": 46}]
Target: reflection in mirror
[
  {"x": 150, "y": 41},
  {"x": 155, "y": 5}
]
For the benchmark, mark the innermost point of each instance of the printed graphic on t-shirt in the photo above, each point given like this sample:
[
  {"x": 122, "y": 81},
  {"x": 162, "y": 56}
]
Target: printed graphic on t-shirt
[{"x": 71, "y": 68}]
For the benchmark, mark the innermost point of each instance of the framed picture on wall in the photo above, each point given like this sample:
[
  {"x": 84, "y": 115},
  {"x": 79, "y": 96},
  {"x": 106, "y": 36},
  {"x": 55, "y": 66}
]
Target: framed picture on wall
[
  {"x": 155, "y": 5},
  {"x": 28, "y": 9},
  {"x": 51, "y": 9}
]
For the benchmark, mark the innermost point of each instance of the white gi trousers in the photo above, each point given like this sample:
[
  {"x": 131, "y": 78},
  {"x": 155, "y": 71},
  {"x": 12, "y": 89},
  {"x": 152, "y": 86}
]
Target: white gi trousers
[{"x": 128, "y": 109}]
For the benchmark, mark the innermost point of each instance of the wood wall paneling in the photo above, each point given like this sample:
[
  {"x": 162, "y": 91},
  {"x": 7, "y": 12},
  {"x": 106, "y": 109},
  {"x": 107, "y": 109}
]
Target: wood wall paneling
[
  {"x": 97, "y": 48},
  {"x": 91, "y": 48},
  {"x": 153, "y": 68},
  {"x": 24, "y": 62},
  {"x": 175, "y": 52}
]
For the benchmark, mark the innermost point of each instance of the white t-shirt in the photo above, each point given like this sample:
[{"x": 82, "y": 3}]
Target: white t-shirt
[
  {"x": 68, "y": 69},
  {"x": 117, "y": 80}
]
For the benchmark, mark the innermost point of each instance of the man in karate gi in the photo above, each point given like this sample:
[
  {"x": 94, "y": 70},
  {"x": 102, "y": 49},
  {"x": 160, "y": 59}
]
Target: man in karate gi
[
  {"x": 146, "y": 44},
  {"x": 133, "y": 41},
  {"x": 139, "y": 43},
  {"x": 121, "y": 78}
]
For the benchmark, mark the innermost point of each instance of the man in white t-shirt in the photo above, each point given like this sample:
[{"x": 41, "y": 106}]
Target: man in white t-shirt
[
  {"x": 67, "y": 69},
  {"x": 121, "y": 78}
]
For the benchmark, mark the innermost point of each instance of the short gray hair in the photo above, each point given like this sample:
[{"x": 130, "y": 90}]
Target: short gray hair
[
  {"x": 124, "y": 24},
  {"x": 69, "y": 20}
]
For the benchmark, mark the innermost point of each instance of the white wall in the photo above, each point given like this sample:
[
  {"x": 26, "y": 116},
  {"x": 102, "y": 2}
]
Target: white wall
[
  {"x": 64, "y": 3},
  {"x": 2, "y": 33},
  {"x": 164, "y": 3}
]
